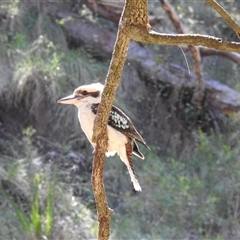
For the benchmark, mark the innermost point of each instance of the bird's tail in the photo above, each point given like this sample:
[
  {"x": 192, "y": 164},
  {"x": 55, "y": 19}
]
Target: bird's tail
[{"x": 134, "y": 180}]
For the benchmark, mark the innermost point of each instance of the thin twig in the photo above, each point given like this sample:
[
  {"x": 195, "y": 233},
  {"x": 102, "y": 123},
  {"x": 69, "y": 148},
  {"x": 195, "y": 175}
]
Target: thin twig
[
  {"x": 225, "y": 16},
  {"x": 235, "y": 57}
]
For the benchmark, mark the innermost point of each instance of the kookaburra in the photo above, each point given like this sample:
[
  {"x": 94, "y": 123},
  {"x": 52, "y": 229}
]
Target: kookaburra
[{"x": 122, "y": 135}]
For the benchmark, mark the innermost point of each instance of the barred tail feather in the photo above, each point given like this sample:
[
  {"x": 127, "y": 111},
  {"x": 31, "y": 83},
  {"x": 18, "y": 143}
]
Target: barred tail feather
[
  {"x": 134, "y": 180},
  {"x": 125, "y": 153}
]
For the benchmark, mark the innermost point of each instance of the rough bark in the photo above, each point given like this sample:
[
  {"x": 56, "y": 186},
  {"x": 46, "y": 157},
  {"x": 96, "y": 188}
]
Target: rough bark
[
  {"x": 133, "y": 14},
  {"x": 100, "y": 132}
]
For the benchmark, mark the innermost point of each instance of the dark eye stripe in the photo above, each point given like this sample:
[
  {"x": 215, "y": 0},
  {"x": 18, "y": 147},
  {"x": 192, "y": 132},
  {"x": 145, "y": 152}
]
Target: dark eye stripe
[
  {"x": 84, "y": 92},
  {"x": 95, "y": 94}
]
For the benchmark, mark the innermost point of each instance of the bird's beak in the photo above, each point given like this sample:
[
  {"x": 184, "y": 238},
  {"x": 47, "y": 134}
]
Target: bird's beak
[{"x": 71, "y": 99}]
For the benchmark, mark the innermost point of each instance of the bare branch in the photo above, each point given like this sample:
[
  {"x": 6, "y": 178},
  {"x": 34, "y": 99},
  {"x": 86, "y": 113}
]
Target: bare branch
[
  {"x": 200, "y": 83},
  {"x": 203, "y": 51},
  {"x": 235, "y": 57},
  {"x": 139, "y": 35},
  {"x": 225, "y": 16},
  {"x": 100, "y": 132},
  {"x": 172, "y": 15},
  {"x": 133, "y": 13}
]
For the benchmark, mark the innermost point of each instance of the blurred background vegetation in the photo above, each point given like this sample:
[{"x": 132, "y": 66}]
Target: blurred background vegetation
[{"x": 45, "y": 159}]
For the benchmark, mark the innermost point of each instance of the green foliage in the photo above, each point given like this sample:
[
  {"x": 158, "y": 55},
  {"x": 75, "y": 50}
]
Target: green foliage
[
  {"x": 23, "y": 220},
  {"x": 199, "y": 195},
  {"x": 49, "y": 215},
  {"x": 36, "y": 204},
  {"x": 38, "y": 222},
  {"x": 35, "y": 214}
]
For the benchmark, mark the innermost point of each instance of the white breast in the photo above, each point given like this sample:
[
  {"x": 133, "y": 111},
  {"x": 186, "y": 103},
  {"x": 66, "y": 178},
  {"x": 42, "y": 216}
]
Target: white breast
[
  {"x": 116, "y": 140},
  {"x": 86, "y": 119}
]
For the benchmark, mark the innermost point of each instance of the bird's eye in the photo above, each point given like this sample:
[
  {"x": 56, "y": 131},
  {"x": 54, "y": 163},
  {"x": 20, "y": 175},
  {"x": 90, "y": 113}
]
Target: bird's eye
[{"x": 84, "y": 92}]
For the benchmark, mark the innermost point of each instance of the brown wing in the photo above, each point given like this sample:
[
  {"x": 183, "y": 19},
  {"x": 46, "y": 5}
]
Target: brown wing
[{"x": 121, "y": 122}]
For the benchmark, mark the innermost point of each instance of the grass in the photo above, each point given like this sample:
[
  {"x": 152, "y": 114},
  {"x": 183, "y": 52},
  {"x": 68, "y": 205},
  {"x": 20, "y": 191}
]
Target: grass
[{"x": 38, "y": 203}]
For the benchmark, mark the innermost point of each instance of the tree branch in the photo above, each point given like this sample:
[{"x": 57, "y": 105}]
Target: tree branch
[
  {"x": 225, "y": 16},
  {"x": 132, "y": 14},
  {"x": 100, "y": 131},
  {"x": 172, "y": 15},
  {"x": 140, "y": 35},
  {"x": 235, "y": 57}
]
